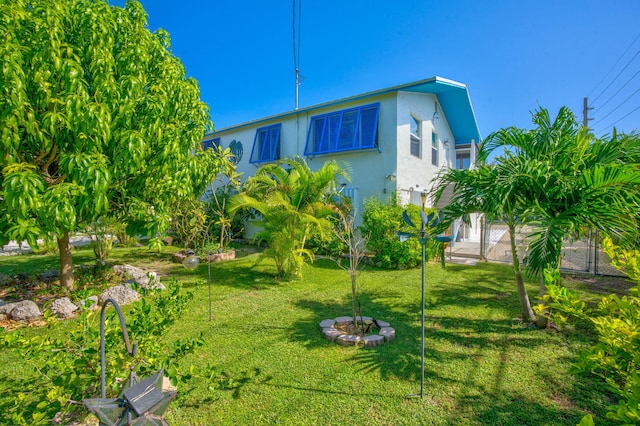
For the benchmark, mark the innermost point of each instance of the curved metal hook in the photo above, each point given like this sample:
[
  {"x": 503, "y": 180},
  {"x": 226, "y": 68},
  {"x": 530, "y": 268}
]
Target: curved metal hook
[{"x": 130, "y": 350}]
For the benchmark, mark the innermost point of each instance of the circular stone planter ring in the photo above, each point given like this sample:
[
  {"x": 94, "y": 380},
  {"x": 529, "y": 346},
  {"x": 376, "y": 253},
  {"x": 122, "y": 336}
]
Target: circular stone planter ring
[{"x": 330, "y": 332}]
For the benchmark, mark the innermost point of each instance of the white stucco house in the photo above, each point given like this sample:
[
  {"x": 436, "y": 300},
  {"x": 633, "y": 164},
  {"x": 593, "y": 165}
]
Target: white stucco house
[{"x": 394, "y": 139}]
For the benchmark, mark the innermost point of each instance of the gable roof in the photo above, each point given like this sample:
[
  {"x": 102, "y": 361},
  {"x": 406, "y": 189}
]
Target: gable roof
[{"x": 453, "y": 98}]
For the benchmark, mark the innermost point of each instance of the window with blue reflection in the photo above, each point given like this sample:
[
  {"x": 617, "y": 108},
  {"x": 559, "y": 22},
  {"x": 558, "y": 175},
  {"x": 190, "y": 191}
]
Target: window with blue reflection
[
  {"x": 266, "y": 144},
  {"x": 211, "y": 143},
  {"x": 346, "y": 130}
]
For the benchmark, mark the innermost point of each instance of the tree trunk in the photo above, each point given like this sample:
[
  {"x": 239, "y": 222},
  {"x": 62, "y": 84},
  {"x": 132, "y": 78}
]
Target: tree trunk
[
  {"x": 527, "y": 312},
  {"x": 66, "y": 262}
]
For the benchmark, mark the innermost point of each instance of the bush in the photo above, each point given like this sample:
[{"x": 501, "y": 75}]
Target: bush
[
  {"x": 71, "y": 371},
  {"x": 382, "y": 221},
  {"x": 615, "y": 357}
]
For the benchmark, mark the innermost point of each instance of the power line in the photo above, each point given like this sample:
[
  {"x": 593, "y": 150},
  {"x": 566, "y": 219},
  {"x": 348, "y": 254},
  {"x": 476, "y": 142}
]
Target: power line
[
  {"x": 616, "y": 77},
  {"x": 619, "y": 105},
  {"x": 613, "y": 67},
  {"x": 618, "y": 120},
  {"x": 618, "y": 91}
]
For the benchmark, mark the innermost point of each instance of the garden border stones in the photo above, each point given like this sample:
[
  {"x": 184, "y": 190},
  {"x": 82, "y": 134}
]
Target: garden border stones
[{"x": 330, "y": 332}]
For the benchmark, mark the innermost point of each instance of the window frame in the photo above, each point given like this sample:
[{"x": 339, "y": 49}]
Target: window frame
[
  {"x": 343, "y": 130},
  {"x": 260, "y": 156},
  {"x": 434, "y": 147},
  {"x": 459, "y": 158},
  {"x": 212, "y": 143},
  {"x": 415, "y": 139}
]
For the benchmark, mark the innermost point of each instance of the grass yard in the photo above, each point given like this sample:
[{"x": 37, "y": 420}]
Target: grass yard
[{"x": 273, "y": 367}]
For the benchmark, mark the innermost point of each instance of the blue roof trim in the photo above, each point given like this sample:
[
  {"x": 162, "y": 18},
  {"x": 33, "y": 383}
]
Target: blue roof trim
[{"x": 453, "y": 98}]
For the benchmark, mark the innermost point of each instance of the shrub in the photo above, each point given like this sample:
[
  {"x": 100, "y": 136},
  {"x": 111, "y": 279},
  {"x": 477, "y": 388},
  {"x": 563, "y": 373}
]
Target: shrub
[
  {"x": 71, "y": 371},
  {"x": 382, "y": 221},
  {"x": 615, "y": 357}
]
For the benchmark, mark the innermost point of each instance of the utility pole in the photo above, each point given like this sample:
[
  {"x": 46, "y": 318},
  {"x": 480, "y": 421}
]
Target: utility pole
[{"x": 585, "y": 112}]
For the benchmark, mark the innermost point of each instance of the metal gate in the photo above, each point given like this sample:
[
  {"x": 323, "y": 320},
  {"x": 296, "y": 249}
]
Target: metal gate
[{"x": 582, "y": 255}]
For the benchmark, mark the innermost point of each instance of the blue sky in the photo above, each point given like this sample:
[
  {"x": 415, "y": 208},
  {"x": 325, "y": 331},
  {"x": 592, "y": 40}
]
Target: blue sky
[{"x": 514, "y": 56}]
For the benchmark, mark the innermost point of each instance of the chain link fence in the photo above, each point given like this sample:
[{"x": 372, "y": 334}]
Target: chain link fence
[{"x": 583, "y": 255}]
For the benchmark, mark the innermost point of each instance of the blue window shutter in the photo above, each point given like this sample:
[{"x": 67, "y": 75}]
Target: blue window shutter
[
  {"x": 346, "y": 130},
  {"x": 266, "y": 144}
]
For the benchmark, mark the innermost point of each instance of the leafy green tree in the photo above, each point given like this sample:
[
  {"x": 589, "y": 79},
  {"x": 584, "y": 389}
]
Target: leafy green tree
[
  {"x": 97, "y": 118},
  {"x": 293, "y": 202}
]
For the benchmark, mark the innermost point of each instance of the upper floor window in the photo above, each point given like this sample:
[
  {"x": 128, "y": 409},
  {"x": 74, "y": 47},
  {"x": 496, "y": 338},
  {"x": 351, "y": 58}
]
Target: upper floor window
[
  {"x": 211, "y": 143},
  {"x": 434, "y": 148},
  {"x": 463, "y": 160},
  {"x": 266, "y": 144},
  {"x": 346, "y": 130},
  {"x": 416, "y": 136}
]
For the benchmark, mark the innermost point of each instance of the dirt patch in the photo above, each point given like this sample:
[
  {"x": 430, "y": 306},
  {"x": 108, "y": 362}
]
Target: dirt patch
[
  {"x": 361, "y": 330},
  {"x": 602, "y": 284}
]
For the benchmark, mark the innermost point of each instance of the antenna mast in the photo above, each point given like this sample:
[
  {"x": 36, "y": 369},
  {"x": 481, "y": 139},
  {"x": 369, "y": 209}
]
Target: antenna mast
[{"x": 296, "y": 46}]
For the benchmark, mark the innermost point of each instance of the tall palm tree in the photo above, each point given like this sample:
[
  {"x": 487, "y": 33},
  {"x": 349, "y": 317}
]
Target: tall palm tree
[
  {"x": 293, "y": 201},
  {"x": 570, "y": 182},
  {"x": 494, "y": 191}
]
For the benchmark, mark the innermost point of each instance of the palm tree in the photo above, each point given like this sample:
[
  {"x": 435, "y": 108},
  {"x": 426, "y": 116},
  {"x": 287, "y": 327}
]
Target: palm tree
[
  {"x": 293, "y": 202},
  {"x": 569, "y": 182},
  {"x": 491, "y": 190}
]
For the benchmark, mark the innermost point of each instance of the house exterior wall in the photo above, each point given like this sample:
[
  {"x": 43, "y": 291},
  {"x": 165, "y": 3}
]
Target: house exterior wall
[
  {"x": 417, "y": 172},
  {"x": 374, "y": 172}
]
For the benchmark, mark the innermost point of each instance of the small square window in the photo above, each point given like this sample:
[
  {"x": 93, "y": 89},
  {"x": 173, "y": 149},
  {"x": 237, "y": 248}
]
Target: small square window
[{"x": 266, "y": 144}]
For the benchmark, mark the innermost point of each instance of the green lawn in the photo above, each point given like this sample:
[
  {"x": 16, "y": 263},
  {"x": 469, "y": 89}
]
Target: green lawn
[{"x": 482, "y": 366}]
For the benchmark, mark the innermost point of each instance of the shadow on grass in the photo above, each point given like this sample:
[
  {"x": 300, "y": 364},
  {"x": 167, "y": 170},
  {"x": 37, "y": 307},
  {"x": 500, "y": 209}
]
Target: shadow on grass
[{"x": 468, "y": 320}]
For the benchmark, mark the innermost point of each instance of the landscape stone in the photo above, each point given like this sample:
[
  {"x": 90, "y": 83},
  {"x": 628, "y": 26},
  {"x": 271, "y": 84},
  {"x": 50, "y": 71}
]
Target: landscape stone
[
  {"x": 122, "y": 294},
  {"x": 89, "y": 303},
  {"x": 388, "y": 333},
  {"x": 381, "y": 323},
  {"x": 327, "y": 323},
  {"x": 147, "y": 280},
  {"x": 331, "y": 333},
  {"x": 343, "y": 320},
  {"x": 373, "y": 340},
  {"x": 364, "y": 319},
  {"x": 21, "y": 311},
  {"x": 348, "y": 340},
  {"x": 63, "y": 308}
]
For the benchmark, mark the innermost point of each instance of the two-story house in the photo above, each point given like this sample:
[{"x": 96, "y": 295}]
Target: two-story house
[{"x": 394, "y": 139}]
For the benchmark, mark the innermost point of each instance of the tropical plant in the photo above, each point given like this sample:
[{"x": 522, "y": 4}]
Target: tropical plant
[
  {"x": 494, "y": 191},
  {"x": 615, "y": 357},
  {"x": 293, "y": 202},
  {"x": 97, "y": 118},
  {"x": 226, "y": 185},
  {"x": 570, "y": 182}
]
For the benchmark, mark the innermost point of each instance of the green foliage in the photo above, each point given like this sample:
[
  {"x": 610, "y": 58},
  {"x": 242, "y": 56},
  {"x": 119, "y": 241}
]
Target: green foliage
[
  {"x": 616, "y": 320},
  {"x": 98, "y": 118},
  {"x": 223, "y": 225},
  {"x": 293, "y": 203},
  {"x": 189, "y": 222},
  {"x": 71, "y": 369},
  {"x": 382, "y": 221}
]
